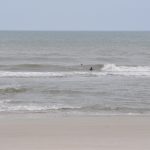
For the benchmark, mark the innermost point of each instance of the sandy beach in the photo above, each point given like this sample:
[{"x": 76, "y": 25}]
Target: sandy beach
[{"x": 76, "y": 133}]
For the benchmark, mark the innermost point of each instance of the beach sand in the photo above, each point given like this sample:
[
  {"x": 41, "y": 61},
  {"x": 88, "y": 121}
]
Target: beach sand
[{"x": 76, "y": 133}]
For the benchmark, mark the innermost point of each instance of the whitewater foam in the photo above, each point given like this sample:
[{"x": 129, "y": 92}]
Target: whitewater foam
[
  {"x": 6, "y": 107},
  {"x": 39, "y": 74},
  {"x": 126, "y": 70}
]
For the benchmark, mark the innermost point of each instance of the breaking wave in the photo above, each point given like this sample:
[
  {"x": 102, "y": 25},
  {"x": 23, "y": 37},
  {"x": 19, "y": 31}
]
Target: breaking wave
[
  {"x": 6, "y": 106},
  {"x": 98, "y": 70},
  {"x": 10, "y": 106},
  {"x": 126, "y": 70}
]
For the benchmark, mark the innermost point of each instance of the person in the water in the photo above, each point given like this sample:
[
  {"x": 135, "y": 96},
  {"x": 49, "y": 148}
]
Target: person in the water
[{"x": 91, "y": 69}]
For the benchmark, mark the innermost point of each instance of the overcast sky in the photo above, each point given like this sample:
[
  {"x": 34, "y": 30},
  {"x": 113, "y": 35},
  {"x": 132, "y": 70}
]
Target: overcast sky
[{"x": 74, "y": 14}]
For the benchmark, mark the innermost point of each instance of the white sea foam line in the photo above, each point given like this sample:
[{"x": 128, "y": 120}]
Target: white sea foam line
[
  {"x": 29, "y": 74},
  {"x": 63, "y": 74},
  {"x": 43, "y": 74},
  {"x": 6, "y": 107}
]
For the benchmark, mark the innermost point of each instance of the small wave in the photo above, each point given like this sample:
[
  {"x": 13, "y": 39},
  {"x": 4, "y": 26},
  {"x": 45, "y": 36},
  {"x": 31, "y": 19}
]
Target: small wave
[
  {"x": 109, "y": 109},
  {"x": 49, "y": 67},
  {"x": 93, "y": 109},
  {"x": 12, "y": 90},
  {"x": 5, "y": 107}
]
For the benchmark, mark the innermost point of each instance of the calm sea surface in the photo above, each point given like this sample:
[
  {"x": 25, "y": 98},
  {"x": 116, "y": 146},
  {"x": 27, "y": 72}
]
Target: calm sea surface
[{"x": 48, "y": 72}]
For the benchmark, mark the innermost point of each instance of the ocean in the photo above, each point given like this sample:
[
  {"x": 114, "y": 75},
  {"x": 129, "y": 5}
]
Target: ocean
[{"x": 48, "y": 72}]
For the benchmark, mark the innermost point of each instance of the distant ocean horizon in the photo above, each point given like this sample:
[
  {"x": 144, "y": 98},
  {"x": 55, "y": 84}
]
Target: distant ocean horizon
[{"x": 49, "y": 72}]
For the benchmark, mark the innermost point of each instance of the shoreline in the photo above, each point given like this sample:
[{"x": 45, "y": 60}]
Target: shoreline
[{"x": 75, "y": 133}]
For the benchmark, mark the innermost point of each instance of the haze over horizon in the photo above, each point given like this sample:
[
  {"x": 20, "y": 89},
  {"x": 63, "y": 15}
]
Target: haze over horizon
[{"x": 75, "y": 15}]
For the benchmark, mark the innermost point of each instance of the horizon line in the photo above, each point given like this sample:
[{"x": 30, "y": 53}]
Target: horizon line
[{"x": 24, "y": 30}]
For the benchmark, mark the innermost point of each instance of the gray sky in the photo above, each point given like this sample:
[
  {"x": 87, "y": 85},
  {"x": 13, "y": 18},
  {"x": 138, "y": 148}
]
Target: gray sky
[{"x": 74, "y": 14}]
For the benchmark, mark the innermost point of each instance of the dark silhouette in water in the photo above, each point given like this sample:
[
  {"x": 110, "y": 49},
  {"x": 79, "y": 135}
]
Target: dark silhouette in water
[{"x": 91, "y": 69}]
